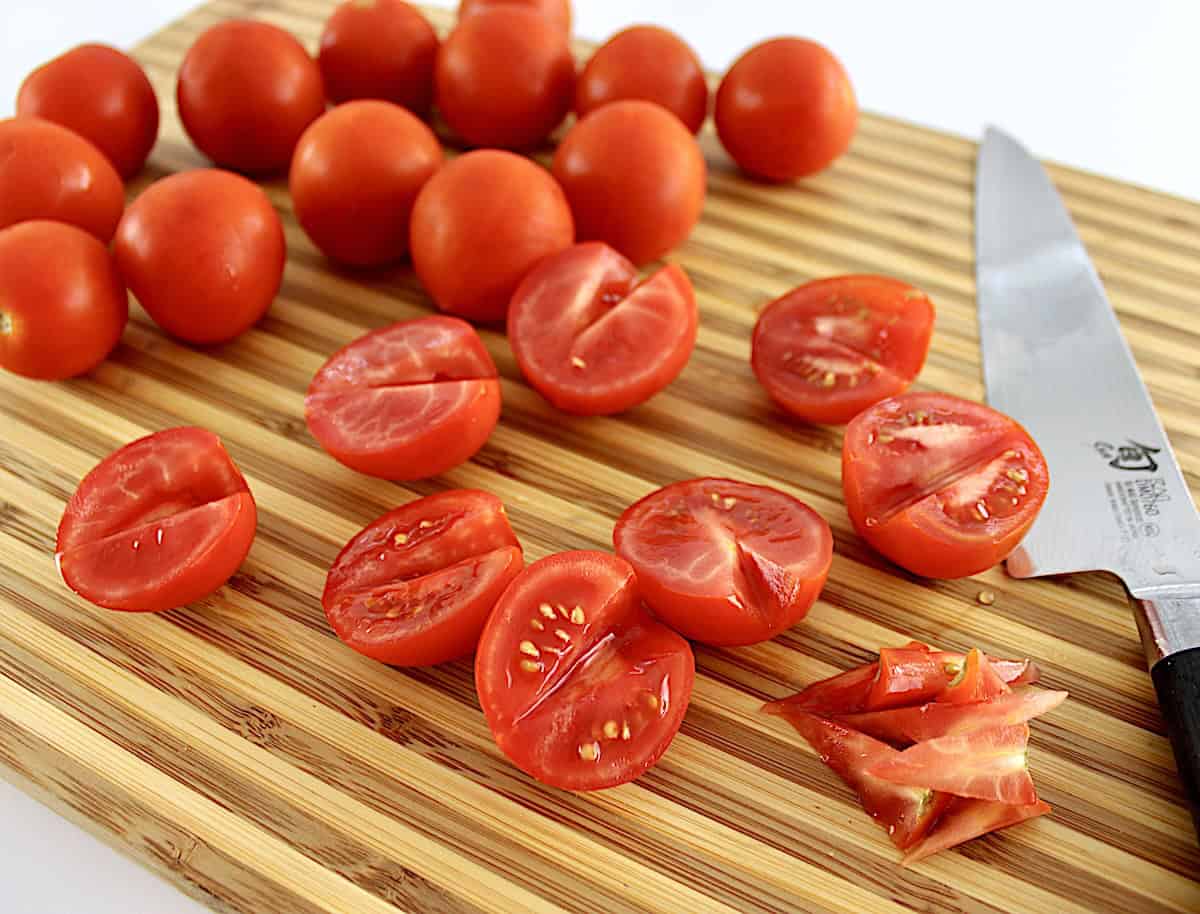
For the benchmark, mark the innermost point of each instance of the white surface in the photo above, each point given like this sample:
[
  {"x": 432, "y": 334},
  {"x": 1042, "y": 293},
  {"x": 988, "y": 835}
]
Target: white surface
[{"x": 1105, "y": 85}]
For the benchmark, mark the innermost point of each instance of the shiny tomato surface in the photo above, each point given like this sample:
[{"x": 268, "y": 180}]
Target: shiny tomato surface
[{"x": 556, "y": 12}]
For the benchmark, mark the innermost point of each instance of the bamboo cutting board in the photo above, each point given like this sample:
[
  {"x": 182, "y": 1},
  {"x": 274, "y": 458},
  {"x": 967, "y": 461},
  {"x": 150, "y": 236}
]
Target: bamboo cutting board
[{"x": 239, "y": 749}]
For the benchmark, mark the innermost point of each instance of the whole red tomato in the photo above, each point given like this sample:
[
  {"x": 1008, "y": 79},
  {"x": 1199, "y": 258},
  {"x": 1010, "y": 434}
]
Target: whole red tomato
[
  {"x": 48, "y": 172},
  {"x": 634, "y": 177},
  {"x": 480, "y": 224},
  {"x": 490, "y": 100},
  {"x": 381, "y": 49},
  {"x": 648, "y": 63},
  {"x": 203, "y": 251},
  {"x": 101, "y": 94},
  {"x": 62, "y": 303},
  {"x": 355, "y": 176},
  {"x": 556, "y": 12},
  {"x": 786, "y": 109},
  {"x": 246, "y": 92}
]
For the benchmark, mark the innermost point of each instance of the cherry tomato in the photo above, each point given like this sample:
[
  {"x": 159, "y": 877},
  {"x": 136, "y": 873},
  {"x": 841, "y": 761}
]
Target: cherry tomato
[
  {"x": 504, "y": 78},
  {"x": 634, "y": 177},
  {"x": 480, "y": 224},
  {"x": 62, "y": 304},
  {"x": 160, "y": 523},
  {"x": 647, "y": 63},
  {"x": 381, "y": 49},
  {"x": 941, "y": 486},
  {"x": 557, "y": 12},
  {"x": 409, "y": 401},
  {"x": 581, "y": 687},
  {"x": 592, "y": 338},
  {"x": 415, "y": 586},
  {"x": 246, "y": 92},
  {"x": 49, "y": 172},
  {"x": 355, "y": 177},
  {"x": 203, "y": 251},
  {"x": 786, "y": 109},
  {"x": 831, "y": 348},
  {"x": 726, "y": 562},
  {"x": 101, "y": 94}
]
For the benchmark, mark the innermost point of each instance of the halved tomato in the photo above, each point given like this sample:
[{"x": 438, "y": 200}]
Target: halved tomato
[
  {"x": 592, "y": 338},
  {"x": 976, "y": 681},
  {"x": 409, "y": 401},
  {"x": 965, "y": 819},
  {"x": 905, "y": 726},
  {"x": 160, "y": 523},
  {"x": 906, "y": 813},
  {"x": 415, "y": 586},
  {"x": 726, "y": 562},
  {"x": 989, "y": 764},
  {"x": 829, "y": 349},
  {"x": 581, "y": 687},
  {"x": 940, "y": 485}
]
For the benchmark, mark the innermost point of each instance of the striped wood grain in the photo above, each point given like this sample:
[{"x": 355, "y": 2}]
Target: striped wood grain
[{"x": 238, "y": 748}]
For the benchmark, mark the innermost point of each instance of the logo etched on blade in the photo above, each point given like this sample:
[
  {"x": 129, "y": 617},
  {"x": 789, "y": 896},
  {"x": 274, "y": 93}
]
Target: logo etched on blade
[{"x": 1131, "y": 456}]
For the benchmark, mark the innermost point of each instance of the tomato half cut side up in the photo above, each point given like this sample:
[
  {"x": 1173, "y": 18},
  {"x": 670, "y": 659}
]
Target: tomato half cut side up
[
  {"x": 726, "y": 562},
  {"x": 942, "y": 486},
  {"x": 906, "y": 813},
  {"x": 595, "y": 340},
  {"x": 160, "y": 523},
  {"x": 415, "y": 586},
  {"x": 831, "y": 348},
  {"x": 965, "y": 819},
  {"x": 408, "y": 401},
  {"x": 581, "y": 687}
]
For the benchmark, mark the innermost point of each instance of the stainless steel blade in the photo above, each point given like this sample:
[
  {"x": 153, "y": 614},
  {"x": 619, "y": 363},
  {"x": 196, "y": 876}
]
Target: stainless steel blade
[{"x": 1055, "y": 360}]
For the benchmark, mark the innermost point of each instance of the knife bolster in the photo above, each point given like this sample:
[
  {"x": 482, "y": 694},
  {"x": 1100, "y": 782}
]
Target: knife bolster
[{"x": 1168, "y": 619}]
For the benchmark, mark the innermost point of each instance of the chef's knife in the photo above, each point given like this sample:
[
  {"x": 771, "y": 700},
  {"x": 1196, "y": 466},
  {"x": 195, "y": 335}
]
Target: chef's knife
[{"x": 1055, "y": 360}]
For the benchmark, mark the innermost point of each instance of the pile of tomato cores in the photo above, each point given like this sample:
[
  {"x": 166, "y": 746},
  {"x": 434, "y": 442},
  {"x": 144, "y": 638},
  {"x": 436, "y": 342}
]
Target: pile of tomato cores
[{"x": 582, "y": 664}]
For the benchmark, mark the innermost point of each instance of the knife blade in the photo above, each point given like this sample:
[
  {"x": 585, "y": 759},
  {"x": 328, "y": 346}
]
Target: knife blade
[{"x": 1054, "y": 359}]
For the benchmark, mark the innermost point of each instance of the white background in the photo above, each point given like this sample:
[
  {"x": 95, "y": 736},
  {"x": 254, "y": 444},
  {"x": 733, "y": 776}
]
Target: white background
[{"x": 1107, "y": 85}]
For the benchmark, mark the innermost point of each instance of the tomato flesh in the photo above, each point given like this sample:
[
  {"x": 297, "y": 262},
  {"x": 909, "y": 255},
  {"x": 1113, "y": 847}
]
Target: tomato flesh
[
  {"x": 408, "y": 401},
  {"x": 726, "y": 562},
  {"x": 943, "y": 487},
  {"x": 592, "y": 339},
  {"x": 976, "y": 681},
  {"x": 965, "y": 819},
  {"x": 831, "y": 348},
  {"x": 906, "y": 676},
  {"x": 415, "y": 586},
  {"x": 841, "y": 694},
  {"x": 160, "y": 523},
  {"x": 581, "y": 687}
]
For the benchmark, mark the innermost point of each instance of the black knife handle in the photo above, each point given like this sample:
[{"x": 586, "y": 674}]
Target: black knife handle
[{"x": 1177, "y": 681}]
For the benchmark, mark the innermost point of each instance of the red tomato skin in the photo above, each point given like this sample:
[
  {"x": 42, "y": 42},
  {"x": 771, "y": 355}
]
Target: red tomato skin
[
  {"x": 906, "y": 676},
  {"x": 101, "y": 94},
  {"x": 786, "y": 109},
  {"x": 459, "y": 539},
  {"x": 509, "y": 691},
  {"x": 635, "y": 178},
  {"x": 557, "y": 12},
  {"x": 489, "y": 102},
  {"x": 648, "y": 63},
  {"x": 106, "y": 543},
  {"x": 63, "y": 305},
  {"x": 384, "y": 49},
  {"x": 50, "y": 172},
  {"x": 469, "y": 251},
  {"x": 182, "y": 225},
  {"x": 841, "y": 694},
  {"x": 920, "y": 538},
  {"x": 631, "y": 363},
  {"x": 442, "y": 348},
  {"x": 897, "y": 331},
  {"x": 355, "y": 177},
  {"x": 246, "y": 91}
]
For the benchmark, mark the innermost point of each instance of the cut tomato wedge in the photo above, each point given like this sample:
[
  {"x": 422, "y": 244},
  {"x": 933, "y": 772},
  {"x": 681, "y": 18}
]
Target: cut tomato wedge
[
  {"x": 415, "y": 586},
  {"x": 976, "y": 681},
  {"x": 160, "y": 523},
  {"x": 841, "y": 694},
  {"x": 965, "y": 819},
  {"x": 726, "y": 562},
  {"x": 987, "y": 764},
  {"x": 906, "y": 676},
  {"x": 406, "y": 402},
  {"x": 906, "y": 813},
  {"x": 905, "y": 726}
]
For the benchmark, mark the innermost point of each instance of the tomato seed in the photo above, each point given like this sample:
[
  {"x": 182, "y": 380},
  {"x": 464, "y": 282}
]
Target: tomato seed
[
  {"x": 610, "y": 729},
  {"x": 401, "y": 539},
  {"x": 625, "y": 734},
  {"x": 577, "y": 362},
  {"x": 537, "y": 624},
  {"x": 561, "y": 635},
  {"x": 577, "y": 615},
  {"x": 546, "y": 610},
  {"x": 530, "y": 666},
  {"x": 589, "y": 752},
  {"x": 528, "y": 648}
]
